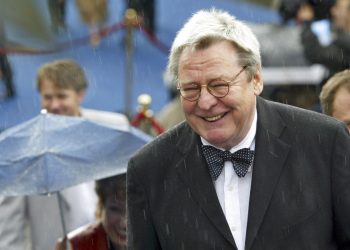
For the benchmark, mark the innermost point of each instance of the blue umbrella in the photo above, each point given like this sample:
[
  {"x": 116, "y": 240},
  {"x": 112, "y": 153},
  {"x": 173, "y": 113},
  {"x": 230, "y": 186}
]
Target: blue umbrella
[{"x": 50, "y": 152}]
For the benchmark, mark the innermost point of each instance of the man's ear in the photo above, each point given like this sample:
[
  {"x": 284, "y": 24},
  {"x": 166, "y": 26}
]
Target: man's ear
[
  {"x": 258, "y": 84},
  {"x": 81, "y": 95}
]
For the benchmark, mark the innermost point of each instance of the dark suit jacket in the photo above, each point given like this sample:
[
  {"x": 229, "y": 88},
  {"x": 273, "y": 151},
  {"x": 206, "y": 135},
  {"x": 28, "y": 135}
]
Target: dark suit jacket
[{"x": 300, "y": 193}]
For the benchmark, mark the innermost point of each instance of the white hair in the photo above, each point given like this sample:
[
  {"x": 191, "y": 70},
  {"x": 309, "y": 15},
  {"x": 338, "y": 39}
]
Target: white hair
[{"x": 215, "y": 25}]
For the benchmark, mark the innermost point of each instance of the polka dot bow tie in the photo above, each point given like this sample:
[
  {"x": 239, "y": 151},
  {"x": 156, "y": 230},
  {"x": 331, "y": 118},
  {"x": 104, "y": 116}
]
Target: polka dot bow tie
[{"x": 240, "y": 159}]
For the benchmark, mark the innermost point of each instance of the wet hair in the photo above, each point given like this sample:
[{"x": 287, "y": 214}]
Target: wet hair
[
  {"x": 65, "y": 74},
  {"x": 329, "y": 90},
  {"x": 207, "y": 27},
  {"x": 114, "y": 186}
]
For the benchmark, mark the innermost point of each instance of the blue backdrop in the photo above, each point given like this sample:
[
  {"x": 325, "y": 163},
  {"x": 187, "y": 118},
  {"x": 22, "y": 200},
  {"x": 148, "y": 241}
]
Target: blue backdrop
[{"x": 105, "y": 65}]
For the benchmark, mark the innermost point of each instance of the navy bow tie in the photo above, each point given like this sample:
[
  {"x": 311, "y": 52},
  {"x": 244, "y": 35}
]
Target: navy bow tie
[{"x": 241, "y": 160}]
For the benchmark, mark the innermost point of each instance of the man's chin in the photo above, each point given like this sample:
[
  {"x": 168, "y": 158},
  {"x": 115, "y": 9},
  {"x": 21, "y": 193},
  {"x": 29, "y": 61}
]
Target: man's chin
[{"x": 215, "y": 138}]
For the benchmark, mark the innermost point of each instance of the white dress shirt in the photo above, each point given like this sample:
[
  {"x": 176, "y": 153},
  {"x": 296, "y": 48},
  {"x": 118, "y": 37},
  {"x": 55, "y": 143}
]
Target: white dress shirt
[{"x": 233, "y": 192}]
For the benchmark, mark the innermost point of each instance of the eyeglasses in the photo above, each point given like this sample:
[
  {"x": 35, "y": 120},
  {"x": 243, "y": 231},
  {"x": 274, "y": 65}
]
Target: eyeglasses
[{"x": 217, "y": 88}]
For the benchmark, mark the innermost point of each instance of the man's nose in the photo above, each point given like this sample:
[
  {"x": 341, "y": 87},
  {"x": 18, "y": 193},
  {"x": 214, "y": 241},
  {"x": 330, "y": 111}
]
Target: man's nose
[{"x": 206, "y": 100}]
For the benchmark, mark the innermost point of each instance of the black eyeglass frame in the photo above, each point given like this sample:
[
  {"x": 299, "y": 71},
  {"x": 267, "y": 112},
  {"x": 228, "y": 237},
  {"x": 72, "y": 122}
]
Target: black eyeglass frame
[{"x": 228, "y": 83}]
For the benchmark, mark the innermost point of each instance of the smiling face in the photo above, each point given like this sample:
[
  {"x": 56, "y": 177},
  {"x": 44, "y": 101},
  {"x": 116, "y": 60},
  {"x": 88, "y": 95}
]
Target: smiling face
[
  {"x": 223, "y": 122},
  {"x": 60, "y": 101},
  {"x": 114, "y": 221}
]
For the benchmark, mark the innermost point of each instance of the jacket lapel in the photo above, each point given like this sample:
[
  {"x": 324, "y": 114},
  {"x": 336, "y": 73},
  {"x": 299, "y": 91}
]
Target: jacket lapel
[
  {"x": 270, "y": 155},
  {"x": 192, "y": 170}
]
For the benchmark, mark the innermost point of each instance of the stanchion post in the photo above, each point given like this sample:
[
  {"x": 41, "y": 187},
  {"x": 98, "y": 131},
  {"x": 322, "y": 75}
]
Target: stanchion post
[
  {"x": 130, "y": 21},
  {"x": 144, "y": 118},
  {"x": 144, "y": 102}
]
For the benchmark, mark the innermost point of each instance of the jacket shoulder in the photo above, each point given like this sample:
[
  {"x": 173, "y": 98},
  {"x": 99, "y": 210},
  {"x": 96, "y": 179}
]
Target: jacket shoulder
[
  {"x": 302, "y": 118},
  {"x": 165, "y": 143}
]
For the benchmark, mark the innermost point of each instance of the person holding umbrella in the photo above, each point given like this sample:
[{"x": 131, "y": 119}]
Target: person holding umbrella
[
  {"x": 109, "y": 232},
  {"x": 33, "y": 222}
]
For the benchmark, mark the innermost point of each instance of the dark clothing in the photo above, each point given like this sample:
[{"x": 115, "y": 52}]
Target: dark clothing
[
  {"x": 5, "y": 67},
  {"x": 6, "y": 76},
  {"x": 300, "y": 193},
  {"x": 336, "y": 56},
  {"x": 146, "y": 9},
  {"x": 288, "y": 8},
  {"x": 57, "y": 11}
]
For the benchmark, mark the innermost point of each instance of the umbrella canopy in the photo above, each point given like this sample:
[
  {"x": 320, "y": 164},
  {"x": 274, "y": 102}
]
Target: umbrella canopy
[{"x": 51, "y": 152}]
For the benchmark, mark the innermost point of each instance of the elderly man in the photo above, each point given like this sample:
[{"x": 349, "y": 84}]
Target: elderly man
[
  {"x": 33, "y": 222},
  {"x": 241, "y": 172},
  {"x": 335, "y": 97}
]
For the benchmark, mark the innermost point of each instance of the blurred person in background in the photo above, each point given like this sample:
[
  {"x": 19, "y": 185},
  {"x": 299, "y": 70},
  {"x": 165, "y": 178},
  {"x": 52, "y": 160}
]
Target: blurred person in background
[
  {"x": 146, "y": 10},
  {"x": 109, "y": 232},
  {"x": 331, "y": 46},
  {"x": 57, "y": 9},
  {"x": 33, "y": 222},
  {"x": 335, "y": 97},
  {"x": 93, "y": 13},
  {"x": 6, "y": 77},
  {"x": 171, "y": 114},
  {"x": 288, "y": 9}
]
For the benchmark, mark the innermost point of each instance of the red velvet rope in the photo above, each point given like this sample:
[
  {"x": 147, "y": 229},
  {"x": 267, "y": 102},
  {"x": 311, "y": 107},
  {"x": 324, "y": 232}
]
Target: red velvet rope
[
  {"x": 103, "y": 32},
  {"x": 137, "y": 119},
  {"x": 140, "y": 116},
  {"x": 154, "y": 40}
]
